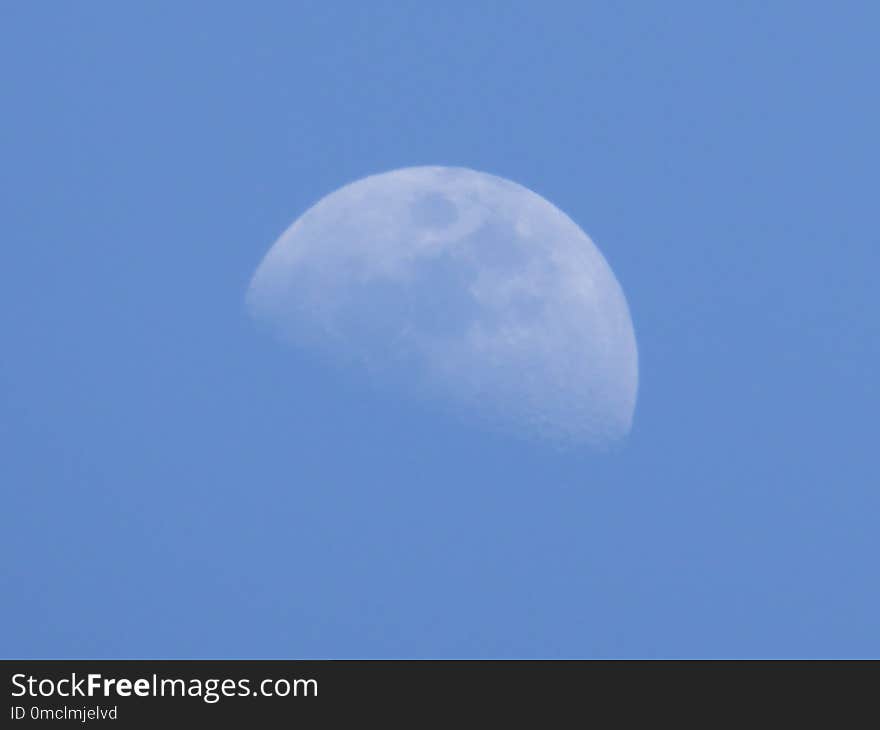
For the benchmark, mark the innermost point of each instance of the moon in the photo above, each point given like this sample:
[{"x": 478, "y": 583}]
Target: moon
[{"x": 463, "y": 289}]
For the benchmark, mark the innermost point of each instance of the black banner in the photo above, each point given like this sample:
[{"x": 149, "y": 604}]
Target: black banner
[{"x": 247, "y": 693}]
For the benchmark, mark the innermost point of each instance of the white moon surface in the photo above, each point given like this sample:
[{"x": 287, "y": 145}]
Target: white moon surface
[{"x": 463, "y": 288}]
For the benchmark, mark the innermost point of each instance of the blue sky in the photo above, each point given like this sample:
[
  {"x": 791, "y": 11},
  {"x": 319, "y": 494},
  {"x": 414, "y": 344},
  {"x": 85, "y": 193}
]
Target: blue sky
[{"x": 177, "y": 485}]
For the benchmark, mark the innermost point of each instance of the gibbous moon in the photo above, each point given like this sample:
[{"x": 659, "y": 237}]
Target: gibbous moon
[{"x": 464, "y": 289}]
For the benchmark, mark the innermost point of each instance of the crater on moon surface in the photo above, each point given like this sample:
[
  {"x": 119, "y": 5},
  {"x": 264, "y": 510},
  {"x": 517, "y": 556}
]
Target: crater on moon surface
[{"x": 434, "y": 210}]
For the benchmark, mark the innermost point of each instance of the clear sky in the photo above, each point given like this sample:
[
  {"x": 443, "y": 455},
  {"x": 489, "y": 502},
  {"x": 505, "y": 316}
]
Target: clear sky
[{"x": 175, "y": 484}]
